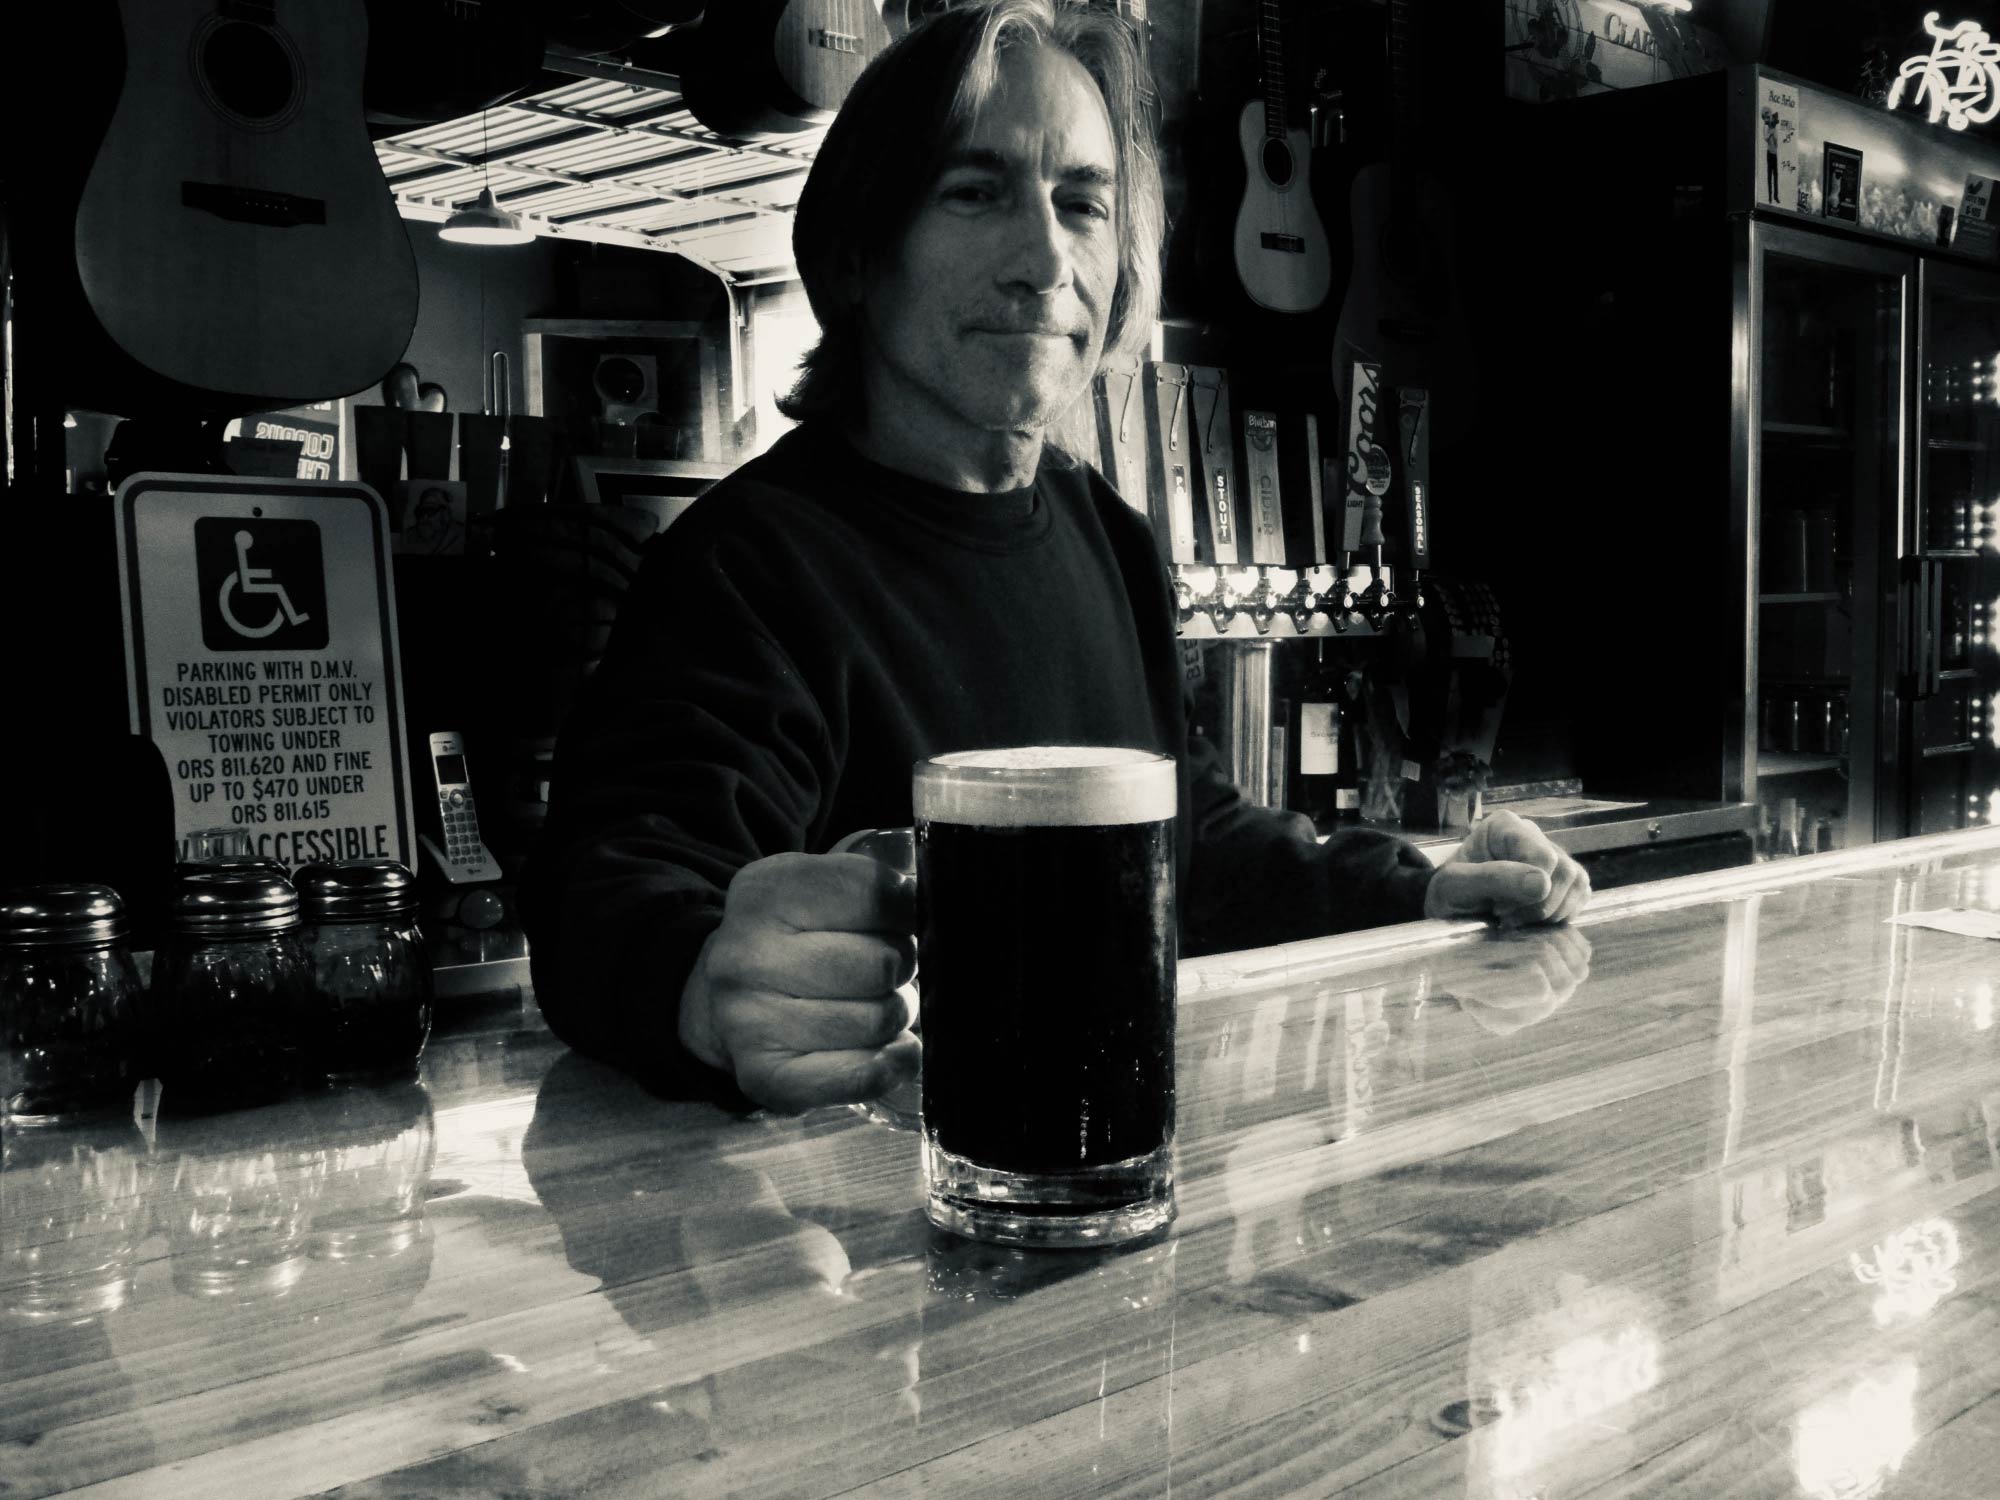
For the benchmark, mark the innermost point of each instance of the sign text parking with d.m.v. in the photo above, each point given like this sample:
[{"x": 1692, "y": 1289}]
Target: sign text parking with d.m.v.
[{"x": 261, "y": 655}]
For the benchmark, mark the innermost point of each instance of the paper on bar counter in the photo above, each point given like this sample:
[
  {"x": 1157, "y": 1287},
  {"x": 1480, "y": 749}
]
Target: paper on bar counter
[{"x": 1970, "y": 922}]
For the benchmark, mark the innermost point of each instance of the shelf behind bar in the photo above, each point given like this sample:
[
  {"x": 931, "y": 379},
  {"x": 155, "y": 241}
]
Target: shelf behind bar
[
  {"x": 1794, "y": 763},
  {"x": 1826, "y": 598},
  {"x": 1956, "y": 445},
  {"x": 1805, "y": 430},
  {"x": 1963, "y": 747}
]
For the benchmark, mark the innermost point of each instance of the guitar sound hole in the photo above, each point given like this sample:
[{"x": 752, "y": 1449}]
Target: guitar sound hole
[
  {"x": 1277, "y": 163},
  {"x": 248, "y": 70}
]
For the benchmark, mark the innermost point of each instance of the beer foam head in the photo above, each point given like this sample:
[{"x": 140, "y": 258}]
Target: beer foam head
[{"x": 1046, "y": 786}]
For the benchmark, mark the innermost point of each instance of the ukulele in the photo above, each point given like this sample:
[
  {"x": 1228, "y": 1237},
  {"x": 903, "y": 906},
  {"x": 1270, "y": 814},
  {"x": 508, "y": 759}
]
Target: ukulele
[
  {"x": 775, "y": 66},
  {"x": 235, "y": 238},
  {"x": 1280, "y": 248}
]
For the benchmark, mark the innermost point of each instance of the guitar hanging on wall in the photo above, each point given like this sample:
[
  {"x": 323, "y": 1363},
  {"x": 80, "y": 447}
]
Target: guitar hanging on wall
[
  {"x": 1280, "y": 247},
  {"x": 235, "y": 241},
  {"x": 770, "y": 67},
  {"x": 1402, "y": 308}
]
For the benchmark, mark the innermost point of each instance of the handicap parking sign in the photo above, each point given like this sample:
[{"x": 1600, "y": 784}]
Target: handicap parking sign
[{"x": 262, "y": 584}]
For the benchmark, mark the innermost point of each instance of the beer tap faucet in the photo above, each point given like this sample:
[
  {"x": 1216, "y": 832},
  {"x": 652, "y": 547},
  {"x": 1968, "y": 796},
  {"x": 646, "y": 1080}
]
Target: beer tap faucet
[
  {"x": 1223, "y": 602},
  {"x": 1184, "y": 596},
  {"x": 1265, "y": 602},
  {"x": 1301, "y": 602}
]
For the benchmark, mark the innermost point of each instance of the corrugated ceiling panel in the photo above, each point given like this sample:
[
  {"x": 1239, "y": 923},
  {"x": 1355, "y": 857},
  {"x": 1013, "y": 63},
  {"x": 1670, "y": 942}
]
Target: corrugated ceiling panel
[{"x": 727, "y": 223}]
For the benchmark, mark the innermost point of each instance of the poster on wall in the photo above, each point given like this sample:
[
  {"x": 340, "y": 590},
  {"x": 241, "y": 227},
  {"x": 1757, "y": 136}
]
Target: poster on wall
[
  {"x": 1777, "y": 138},
  {"x": 1978, "y": 233},
  {"x": 1840, "y": 186},
  {"x": 261, "y": 657},
  {"x": 302, "y": 443}
]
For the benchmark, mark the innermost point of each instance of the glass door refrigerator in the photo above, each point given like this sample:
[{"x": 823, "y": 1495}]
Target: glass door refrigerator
[
  {"x": 1949, "y": 734},
  {"x": 1759, "y": 343},
  {"x": 1821, "y": 420}
]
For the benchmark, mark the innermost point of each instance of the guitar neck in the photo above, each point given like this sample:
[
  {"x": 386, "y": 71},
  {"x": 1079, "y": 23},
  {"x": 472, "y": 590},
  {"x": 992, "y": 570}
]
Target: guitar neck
[
  {"x": 1271, "y": 67},
  {"x": 1405, "y": 113}
]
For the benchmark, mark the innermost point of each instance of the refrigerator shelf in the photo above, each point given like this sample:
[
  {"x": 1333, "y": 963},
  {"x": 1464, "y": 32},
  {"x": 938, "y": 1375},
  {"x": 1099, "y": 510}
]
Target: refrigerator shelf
[
  {"x": 1793, "y": 763},
  {"x": 1963, "y": 747},
  {"x": 1806, "y": 430},
  {"x": 1959, "y": 674},
  {"x": 1950, "y": 554},
  {"x": 1956, "y": 445},
  {"x": 1830, "y": 597}
]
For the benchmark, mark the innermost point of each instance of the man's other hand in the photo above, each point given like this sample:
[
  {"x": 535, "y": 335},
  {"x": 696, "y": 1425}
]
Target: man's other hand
[
  {"x": 1508, "y": 872},
  {"x": 801, "y": 992}
]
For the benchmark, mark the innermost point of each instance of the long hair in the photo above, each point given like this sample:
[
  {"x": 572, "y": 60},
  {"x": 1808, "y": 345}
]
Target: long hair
[{"x": 887, "y": 144}]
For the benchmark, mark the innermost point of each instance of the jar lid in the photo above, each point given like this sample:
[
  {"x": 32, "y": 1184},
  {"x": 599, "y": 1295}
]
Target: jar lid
[
  {"x": 355, "y": 888},
  {"x": 232, "y": 898},
  {"x": 47, "y": 916}
]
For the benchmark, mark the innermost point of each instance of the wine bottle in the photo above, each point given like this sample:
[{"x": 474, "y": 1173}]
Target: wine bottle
[{"x": 1326, "y": 771}]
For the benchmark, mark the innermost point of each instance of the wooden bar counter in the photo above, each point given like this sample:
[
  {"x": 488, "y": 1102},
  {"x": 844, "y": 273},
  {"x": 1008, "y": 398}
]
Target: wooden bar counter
[{"x": 1698, "y": 1197}]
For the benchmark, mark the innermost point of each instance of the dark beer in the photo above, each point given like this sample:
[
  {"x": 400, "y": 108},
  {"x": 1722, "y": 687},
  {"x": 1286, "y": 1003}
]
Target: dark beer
[
  {"x": 1047, "y": 953},
  {"x": 1034, "y": 935}
]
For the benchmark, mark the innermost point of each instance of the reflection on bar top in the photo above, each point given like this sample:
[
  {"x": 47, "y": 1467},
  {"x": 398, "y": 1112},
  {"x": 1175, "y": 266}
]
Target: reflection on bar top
[{"x": 1285, "y": 962}]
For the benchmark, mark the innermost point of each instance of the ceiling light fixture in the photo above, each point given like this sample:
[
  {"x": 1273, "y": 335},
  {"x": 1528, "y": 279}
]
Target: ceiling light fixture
[{"x": 484, "y": 221}]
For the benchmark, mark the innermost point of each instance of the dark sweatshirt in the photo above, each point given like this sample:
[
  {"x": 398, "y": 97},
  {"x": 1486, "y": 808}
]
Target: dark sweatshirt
[{"x": 806, "y": 632}]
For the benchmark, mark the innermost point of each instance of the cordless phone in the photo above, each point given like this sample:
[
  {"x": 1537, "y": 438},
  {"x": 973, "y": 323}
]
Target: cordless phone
[{"x": 463, "y": 859}]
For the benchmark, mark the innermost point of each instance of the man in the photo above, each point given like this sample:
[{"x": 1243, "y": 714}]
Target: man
[{"x": 914, "y": 569}]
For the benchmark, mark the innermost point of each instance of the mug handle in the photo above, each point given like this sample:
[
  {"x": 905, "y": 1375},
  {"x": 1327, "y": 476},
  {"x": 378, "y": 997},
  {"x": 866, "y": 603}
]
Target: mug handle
[{"x": 896, "y": 848}]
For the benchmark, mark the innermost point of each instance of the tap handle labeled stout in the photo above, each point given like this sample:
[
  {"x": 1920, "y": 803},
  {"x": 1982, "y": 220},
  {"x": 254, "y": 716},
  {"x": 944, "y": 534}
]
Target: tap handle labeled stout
[{"x": 1306, "y": 534}]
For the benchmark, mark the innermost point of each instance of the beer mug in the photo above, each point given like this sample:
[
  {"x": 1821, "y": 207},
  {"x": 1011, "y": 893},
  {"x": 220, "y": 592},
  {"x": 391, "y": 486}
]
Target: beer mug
[
  {"x": 1046, "y": 883},
  {"x": 896, "y": 848}
]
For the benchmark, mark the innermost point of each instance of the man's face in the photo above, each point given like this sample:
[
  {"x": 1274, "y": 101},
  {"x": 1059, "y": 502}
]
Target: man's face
[{"x": 993, "y": 317}]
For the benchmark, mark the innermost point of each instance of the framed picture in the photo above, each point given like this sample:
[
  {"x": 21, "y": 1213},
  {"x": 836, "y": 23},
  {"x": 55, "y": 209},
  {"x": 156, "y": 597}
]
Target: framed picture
[
  {"x": 431, "y": 513},
  {"x": 1840, "y": 183},
  {"x": 1777, "y": 141}
]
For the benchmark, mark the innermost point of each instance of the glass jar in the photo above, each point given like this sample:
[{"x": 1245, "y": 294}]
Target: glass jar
[
  {"x": 72, "y": 1006},
  {"x": 76, "y": 1218},
  {"x": 368, "y": 1011},
  {"x": 228, "y": 988}
]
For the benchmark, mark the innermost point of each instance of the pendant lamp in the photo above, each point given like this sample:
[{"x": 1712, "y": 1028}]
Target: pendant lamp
[{"x": 484, "y": 221}]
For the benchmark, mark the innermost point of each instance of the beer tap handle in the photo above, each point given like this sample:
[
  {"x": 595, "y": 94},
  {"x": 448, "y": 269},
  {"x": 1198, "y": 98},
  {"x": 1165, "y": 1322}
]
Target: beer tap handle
[{"x": 1376, "y": 599}]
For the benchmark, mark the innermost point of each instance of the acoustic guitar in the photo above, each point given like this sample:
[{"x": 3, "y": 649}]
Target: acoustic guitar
[
  {"x": 235, "y": 239},
  {"x": 593, "y": 26},
  {"x": 1280, "y": 247},
  {"x": 763, "y": 67}
]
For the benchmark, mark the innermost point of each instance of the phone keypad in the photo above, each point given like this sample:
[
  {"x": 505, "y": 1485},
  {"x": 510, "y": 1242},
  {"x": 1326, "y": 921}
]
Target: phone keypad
[{"x": 461, "y": 826}]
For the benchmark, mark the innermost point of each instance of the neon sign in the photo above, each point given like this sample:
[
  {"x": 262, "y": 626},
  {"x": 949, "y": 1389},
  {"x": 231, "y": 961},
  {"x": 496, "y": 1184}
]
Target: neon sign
[{"x": 1960, "y": 76}]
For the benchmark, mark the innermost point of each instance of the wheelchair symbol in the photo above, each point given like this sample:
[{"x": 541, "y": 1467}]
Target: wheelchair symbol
[{"x": 251, "y": 580}]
